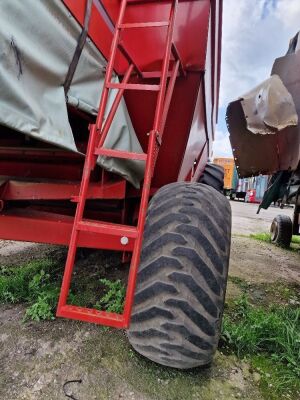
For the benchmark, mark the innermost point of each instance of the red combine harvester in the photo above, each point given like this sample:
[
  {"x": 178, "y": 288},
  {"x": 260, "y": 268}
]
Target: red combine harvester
[{"x": 108, "y": 104}]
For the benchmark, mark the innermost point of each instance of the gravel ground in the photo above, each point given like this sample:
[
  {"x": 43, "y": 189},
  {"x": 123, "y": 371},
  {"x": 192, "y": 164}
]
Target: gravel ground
[{"x": 245, "y": 219}]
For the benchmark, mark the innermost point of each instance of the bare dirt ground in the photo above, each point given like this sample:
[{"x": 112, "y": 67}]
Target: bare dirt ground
[
  {"x": 258, "y": 261},
  {"x": 39, "y": 361}
]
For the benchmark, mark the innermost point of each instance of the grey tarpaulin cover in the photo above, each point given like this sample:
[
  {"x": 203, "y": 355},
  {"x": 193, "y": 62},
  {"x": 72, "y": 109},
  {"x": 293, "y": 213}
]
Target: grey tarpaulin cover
[{"x": 37, "y": 43}]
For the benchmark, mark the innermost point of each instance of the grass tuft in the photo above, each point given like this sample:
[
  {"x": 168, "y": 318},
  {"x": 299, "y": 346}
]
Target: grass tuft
[
  {"x": 23, "y": 283},
  {"x": 266, "y": 237},
  {"x": 296, "y": 239},
  {"x": 273, "y": 332},
  {"x": 35, "y": 283},
  {"x": 38, "y": 285}
]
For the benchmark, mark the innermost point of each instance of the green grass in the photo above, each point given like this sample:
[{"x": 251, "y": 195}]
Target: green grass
[
  {"x": 266, "y": 237},
  {"x": 24, "y": 283},
  {"x": 271, "y": 334},
  {"x": 241, "y": 283},
  {"x": 277, "y": 382},
  {"x": 37, "y": 284},
  {"x": 296, "y": 239}
]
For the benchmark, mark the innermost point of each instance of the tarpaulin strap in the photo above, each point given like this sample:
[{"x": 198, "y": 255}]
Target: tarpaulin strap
[{"x": 80, "y": 44}]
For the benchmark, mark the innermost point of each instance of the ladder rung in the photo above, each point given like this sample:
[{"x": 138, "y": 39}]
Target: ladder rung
[
  {"x": 144, "y": 25},
  {"x": 92, "y": 315},
  {"x": 154, "y": 74},
  {"x": 138, "y": 2},
  {"x": 125, "y": 231},
  {"x": 133, "y": 86},
  {"x": 120, "y": 154}
]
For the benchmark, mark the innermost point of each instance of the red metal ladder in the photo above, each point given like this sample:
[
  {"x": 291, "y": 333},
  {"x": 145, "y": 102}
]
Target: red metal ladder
[{"x": 98, "y": 133}]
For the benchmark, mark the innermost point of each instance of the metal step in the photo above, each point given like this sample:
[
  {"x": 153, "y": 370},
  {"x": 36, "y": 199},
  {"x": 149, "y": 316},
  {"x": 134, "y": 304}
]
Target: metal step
[
  {"x": 144, "y": 25},
  {"x": 123, "y": 231},
  {"x": 92, "y": 315},
  {"x": 120, "y": 154},
  {"x": 133, "y": 86}
]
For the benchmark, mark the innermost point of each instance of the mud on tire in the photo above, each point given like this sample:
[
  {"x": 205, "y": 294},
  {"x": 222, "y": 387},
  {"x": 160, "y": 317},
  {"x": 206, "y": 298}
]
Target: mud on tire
[{"x": 182, "y": 276}]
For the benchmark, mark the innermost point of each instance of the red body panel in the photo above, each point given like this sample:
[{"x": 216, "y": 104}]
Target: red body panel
[
  {"x": 147, "y": 46},
  {"x": 173, "y": 109},
  {"x": 52, "y": 174},
  {"x": 198, "y": 39}
]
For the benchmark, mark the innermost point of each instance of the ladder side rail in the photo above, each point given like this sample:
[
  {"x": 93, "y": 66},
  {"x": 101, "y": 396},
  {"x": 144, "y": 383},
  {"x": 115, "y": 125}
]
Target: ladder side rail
[
  {"x": 168, "y": 97},
  {"x": 114, "y": 107},
  {"x": 110, "y": 68},
  {"x": 88, "y": 166},
  {"x": 165, "y": 67},
  {"x": 152, "y": 151},
  {"x": 176, "y": 55}
]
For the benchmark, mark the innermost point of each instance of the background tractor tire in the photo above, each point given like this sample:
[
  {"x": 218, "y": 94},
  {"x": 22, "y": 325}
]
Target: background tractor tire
[
  {"x": 179, "y": 299},
  {"x": 213, "y": 175},
  {"x": 281, "y": 230}
]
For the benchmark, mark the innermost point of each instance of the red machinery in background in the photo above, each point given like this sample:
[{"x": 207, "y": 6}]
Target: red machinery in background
[
  {"x": 166, "y": 55},
  {"x": 266, "y": 121}
]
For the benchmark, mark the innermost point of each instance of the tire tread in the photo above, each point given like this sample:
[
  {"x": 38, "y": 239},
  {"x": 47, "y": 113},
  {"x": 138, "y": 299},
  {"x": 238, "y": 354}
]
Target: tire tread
[{"x": 182, "y": 276}]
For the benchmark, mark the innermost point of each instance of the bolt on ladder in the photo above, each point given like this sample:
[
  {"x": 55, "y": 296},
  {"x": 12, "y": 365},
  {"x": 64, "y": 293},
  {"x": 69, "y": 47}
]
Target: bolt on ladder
[{"x": 98, "y": 134}]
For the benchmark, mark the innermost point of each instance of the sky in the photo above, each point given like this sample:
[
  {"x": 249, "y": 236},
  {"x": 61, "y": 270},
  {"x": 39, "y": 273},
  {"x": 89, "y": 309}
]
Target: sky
[{"x": 255, "y": 32}]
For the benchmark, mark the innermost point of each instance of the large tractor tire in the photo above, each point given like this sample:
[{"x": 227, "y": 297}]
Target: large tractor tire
[
  {"x": 282, "y": 230},
  {"x": 182, "y": 277},
  {"x": 213, "y": 175}
]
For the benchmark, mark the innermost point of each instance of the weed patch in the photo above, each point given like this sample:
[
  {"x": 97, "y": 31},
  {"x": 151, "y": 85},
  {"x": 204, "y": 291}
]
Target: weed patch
[
  {"x": 38, "y": 285},
  {"x": 241, "y": 283},
  {"x": 274, "y": 333},
  {"x": 113, "y": 299},
  {"x": 22, "y": 284}
]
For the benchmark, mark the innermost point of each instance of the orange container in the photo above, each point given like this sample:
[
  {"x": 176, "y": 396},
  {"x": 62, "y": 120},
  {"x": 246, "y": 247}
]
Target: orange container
[{"x": 228, "y": 164}]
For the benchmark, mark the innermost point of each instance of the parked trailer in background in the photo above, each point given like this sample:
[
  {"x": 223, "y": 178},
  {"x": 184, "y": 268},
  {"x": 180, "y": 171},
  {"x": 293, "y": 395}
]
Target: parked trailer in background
[
  {"x": 233, "y": 187},
  {"x": 105, "y": 105},
  {"x": 227, "y": 163}
]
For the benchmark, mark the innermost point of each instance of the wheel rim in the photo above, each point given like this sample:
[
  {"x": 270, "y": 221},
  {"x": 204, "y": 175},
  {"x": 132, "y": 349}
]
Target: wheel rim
[{"x": 274, "y": 231}]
